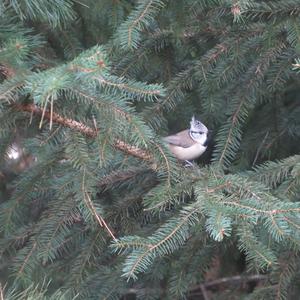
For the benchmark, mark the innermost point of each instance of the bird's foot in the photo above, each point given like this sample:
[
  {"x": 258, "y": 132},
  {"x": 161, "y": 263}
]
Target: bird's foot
[{"x": 188, "y": 163}]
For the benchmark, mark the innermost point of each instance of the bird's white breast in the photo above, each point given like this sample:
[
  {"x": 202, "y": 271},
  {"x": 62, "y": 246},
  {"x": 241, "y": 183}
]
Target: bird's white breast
[{"x": 189, "y": 153}]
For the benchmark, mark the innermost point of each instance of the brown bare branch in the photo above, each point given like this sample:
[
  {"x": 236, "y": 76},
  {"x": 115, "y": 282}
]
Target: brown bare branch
[
  {"x": 84, "y": 129},
  {"x": 201, "y": 289},
  {"x": 229, "y": 280},
  {"x": 204, "y": 292}
]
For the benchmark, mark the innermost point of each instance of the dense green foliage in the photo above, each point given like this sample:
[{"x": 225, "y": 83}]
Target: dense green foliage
[{"x": 99, "y": 209}]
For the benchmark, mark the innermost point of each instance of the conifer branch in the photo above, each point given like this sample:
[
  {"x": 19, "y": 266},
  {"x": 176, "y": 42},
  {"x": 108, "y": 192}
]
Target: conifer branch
[
  {"x": 132, "y": 150},
  {"x": 136, "y": 21},
  {"x": 230, "y": 133},
  {"x": 84, "y": 129},
  {"x": 127, "y": 87},
  {"x": 56, "y": 118},
  {"x": 261, "y": 211},
  {"x": 104, "y": 187},
  {"x": 154, "y": 246}
]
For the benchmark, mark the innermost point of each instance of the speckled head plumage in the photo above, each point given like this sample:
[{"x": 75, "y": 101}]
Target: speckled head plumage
[{"x": 198, "y": 131}]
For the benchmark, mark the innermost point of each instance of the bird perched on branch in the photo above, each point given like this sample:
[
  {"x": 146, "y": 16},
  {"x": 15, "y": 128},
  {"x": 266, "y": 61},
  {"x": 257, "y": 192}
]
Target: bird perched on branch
[{"x": 189, "y": 144}]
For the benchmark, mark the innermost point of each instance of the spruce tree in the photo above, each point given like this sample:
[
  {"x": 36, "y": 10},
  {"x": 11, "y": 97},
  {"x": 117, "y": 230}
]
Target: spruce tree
[{"x": 101, "y": 209}]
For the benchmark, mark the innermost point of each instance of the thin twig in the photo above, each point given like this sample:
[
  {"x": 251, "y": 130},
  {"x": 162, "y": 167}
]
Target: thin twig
[
  {"x": 270, "y": 144},
  {"x": 99, "y": 219},
  {"x": 26, "y": 259},
  {"x": 90, "y": 205},
  {"x": 204, "y": 292},
  {"x": 1, "y": 292},
  {"x": 92, "y": 208},
  {"x": 259, "y": 148},
  {"x": 107, "y": 228}
]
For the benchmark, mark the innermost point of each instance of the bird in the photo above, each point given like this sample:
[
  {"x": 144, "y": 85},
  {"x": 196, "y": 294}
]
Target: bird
[{"x": 188, "y": 144}]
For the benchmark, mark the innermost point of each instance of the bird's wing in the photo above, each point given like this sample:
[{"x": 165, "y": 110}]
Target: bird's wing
[{"x": 181, "y": 139}]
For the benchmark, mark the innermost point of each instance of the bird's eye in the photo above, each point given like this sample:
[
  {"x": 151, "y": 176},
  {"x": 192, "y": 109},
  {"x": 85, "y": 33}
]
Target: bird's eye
[{"x": 201, "y": 132}]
